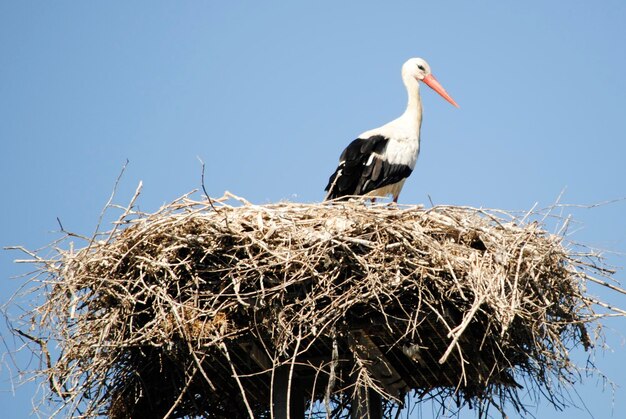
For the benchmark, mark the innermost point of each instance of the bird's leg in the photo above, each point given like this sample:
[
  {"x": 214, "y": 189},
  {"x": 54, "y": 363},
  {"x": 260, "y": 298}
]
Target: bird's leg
[
  {"x": 395, "y": 199},
  {"x": 393, "y": 203}
]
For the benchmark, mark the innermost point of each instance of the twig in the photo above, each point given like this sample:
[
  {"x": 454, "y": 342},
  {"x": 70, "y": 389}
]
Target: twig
[
  {"x": 44, "y": 349},
  {"x": 292, "y": 364},
  {"x": 605, "y": 284},
  {"x": 232, "y": 367},
  {"x": 332, "y": 376},
  {"x": 110, "y": 200}
]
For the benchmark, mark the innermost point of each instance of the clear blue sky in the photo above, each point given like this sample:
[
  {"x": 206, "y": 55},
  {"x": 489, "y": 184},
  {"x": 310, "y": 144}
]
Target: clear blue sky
[{"x": 268, "y": 95}]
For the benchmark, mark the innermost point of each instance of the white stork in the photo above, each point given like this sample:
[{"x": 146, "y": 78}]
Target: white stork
[{"x": 378, "y": 162}]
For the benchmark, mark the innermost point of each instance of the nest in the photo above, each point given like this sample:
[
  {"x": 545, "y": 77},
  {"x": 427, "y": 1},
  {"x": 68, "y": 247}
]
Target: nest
[{"x": 212, "y": 309}]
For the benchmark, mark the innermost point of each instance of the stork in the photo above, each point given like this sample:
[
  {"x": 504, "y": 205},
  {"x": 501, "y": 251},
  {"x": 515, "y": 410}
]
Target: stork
[{"x": 378, "y": 162}]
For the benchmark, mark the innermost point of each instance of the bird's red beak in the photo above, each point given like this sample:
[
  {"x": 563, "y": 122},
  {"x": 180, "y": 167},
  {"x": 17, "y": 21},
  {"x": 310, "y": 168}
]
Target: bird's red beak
[{"x": 432, "y": 82}]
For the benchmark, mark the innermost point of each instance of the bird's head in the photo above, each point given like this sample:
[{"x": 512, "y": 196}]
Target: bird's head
[{"x": 419, "y": 69}]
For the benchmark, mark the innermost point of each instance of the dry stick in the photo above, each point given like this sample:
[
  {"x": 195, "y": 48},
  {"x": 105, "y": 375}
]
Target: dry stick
[
  {"x": 69, "y": 233},
  {"x": 182, "y": 393},
  {"x": 293, "y": 360},
  {"x": 589, "y": 206},
  {"x": 456, "y": 280},
  {"x": 232, "y": 367},
  {"x": 237, "y": 198},
  {"x": 273, "y": 375},
  {"x": 36, "y": 259},
  {"x": 318, "y": 370},
  {"x": 455, "y": 342},
  {"x": 332, "y": 377},
  {"x": 210, "y": 199},
  {"x": 106, "y": 206},
  {"x": 605, "y": 305},
  {"x": 514, "y": 288},
  {"x": 44, "y": 349},
  {"x": 192, "y": 351},
  {"x": 122, "y": 217},
  {"x": 236, "y": 286},
  {"x": 605, "y": 284}
]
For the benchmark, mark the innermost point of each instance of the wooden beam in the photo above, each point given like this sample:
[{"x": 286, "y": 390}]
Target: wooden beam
[
  {"x": 257, "y": 355},
  {"x": 378, "y": 365},
  {"x": 367, "y": 404},
  {"x": 289, "y": 402}
]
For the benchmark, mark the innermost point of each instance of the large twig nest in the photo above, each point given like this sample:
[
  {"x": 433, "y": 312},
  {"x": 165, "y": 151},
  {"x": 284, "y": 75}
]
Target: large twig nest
[{"x": 191, "y": 311}]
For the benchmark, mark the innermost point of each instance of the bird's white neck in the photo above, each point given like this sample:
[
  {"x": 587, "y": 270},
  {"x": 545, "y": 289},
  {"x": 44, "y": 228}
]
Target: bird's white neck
[{"x": 412, "y": 116}]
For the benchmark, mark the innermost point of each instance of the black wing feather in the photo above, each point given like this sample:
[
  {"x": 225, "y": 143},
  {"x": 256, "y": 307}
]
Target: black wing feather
[
  {"x": 354, "y": 177},
  {"x": 380, "y": 173}
]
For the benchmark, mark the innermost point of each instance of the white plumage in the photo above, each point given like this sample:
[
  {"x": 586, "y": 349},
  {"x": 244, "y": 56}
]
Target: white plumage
[{"x": 378, "y": 162}]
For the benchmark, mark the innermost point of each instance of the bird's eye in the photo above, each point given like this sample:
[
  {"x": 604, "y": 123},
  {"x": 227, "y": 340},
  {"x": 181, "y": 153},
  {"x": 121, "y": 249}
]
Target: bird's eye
[{"x": 421, "y": 67}]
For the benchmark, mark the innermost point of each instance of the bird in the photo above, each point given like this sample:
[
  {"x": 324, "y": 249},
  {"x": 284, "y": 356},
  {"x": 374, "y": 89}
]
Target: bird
[{"x": 378, "y": 162}]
